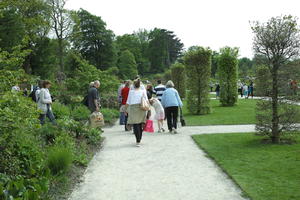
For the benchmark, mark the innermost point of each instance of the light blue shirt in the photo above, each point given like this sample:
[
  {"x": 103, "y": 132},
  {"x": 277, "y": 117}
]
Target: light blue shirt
[{"x": 171, "y": 98}]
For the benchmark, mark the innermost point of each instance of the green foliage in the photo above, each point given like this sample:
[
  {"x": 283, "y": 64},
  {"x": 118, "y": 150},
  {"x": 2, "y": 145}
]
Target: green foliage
[
  {"x": 93, "y": 40},
  {"x": 93, "y": 136},
  {"x": 245, "y": 67},
  {"x": 137, "y": 46},
  {"x": 13, "y": 60},
  {"x": 163, "y": 50},
  {"x": 214, "y": 64},
  {"x": 83, "y": 73},
  {"x": 127, "y": 65},
  {"x": 263, "y": 81},
  {"x": 59, "y": 160},
  {"x": 289, "y": 116},
  {"x": 166, "y": 76},
  {"x": 198, "y": 70},
  {"x": 80, "y": 113},
  {"x": 21, "y": 157},
  {"x": 60, "y": 110},
  {"x": 10, "y": 78},
  {"x": 277, "y": 40},
  {"x": 227, "y": 71},
  {"x": 110, "y": 115},
  {"x": 179, "y": 78}
]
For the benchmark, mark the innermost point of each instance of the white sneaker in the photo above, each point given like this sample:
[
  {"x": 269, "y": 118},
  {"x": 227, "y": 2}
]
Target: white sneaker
[
  {"x": 138, "y": 144},
  {"x": 175, "y": 131},
  {"x": 159, "y": 131},
  {"x": 162, "y": 129}
]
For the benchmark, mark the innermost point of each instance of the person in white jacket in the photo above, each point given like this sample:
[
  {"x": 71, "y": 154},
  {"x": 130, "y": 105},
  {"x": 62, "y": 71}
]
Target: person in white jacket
[{"x": 44, "y": 103}]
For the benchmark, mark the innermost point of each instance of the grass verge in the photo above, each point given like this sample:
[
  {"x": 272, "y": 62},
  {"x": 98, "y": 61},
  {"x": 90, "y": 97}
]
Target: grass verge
[
  {"x": 263, "y": 171},
  {"x": 242, "y": 113}
]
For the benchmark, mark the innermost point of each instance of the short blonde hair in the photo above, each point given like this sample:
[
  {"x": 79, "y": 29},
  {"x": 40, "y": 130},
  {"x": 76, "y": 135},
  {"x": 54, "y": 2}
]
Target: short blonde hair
[
  {"x": 92, "y": 84},
  {"x": 170, "y": 84}
]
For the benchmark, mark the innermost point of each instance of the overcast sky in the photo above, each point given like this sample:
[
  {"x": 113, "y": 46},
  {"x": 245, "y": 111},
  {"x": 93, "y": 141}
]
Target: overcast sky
[{"x": 209, "y": 23}]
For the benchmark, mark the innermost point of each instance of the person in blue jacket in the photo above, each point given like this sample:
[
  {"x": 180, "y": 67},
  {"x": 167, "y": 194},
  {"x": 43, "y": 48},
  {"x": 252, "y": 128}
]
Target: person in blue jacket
[{"x": 171, "y": 102}]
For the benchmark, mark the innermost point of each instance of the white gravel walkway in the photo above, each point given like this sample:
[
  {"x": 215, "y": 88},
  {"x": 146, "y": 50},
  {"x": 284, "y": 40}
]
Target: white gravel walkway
[{"x": 165, "y": 167}]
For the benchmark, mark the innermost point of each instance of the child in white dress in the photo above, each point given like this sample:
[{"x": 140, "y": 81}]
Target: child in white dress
[{"x": 159, "y": 113}]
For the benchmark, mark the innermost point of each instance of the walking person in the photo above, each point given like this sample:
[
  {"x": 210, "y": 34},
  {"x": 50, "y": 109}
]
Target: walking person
[
  {"x": 251, "y": 89},
  {"x": 171, "y": 101},
  {"x": 159, "y": 113},
  {"x": 136, "y": 115},
  {"x": 124, "y": 94},
  {"x": 159, "y": 90},
  {"x": 122, "y": 85},
  {"x": 44, "y": 103},
  {"x": 245, "y": 91},
  {"x": 217, "y": 90},
  {"x": 94, "y": 97}
]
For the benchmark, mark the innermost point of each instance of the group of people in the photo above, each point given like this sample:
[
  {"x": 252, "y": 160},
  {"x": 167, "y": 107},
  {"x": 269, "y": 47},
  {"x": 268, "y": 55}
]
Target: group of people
[
  {"x": 246, "y": 90},
  {"x": 243, "y": 89},
  {"x": 166, "y": 104}
]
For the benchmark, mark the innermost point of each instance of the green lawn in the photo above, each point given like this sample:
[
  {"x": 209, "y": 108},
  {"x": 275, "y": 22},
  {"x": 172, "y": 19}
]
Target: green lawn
[
  {"x": 263, "y": 171},
  {"x": 242, "y": 113}
]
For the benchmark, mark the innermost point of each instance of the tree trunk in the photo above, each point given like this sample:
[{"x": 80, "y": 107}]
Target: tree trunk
[
  {"x": 26, "y": 65},
  {"x": 61, "y": 56},
  {"x": 275, "y": 118}
]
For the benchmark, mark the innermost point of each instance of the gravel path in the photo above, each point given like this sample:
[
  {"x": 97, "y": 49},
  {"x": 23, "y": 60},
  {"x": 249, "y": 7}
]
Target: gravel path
[{"x": 165, "y": 167}]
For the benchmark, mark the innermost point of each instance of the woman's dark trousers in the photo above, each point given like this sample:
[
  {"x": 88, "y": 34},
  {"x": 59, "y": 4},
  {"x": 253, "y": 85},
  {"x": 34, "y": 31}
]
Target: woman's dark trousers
[
  {"x": 172, "y": 115},
  {"x": 138, "y": 132}
]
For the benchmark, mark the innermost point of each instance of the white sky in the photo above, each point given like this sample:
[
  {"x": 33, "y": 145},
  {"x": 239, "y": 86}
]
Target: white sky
[{"x": 213, "y": 23}]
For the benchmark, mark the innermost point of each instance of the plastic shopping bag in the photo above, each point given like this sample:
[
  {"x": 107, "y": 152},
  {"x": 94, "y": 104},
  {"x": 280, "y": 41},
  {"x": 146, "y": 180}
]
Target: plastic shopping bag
[{"x": 149, "y": 126}]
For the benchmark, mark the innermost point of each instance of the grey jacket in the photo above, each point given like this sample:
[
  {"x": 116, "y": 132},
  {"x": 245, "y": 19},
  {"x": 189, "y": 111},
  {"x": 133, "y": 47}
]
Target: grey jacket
[{"x": 44, "y": 99}]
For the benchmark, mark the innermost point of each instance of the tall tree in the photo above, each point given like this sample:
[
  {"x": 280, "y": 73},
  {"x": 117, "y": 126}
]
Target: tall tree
[
  {"x": 214, "y": 63},
  {"x": 245, "y": 67},
  {"x": 132, "y": 43},
  {"x": 61, "y": 25},
  {"x": 93, "y": 40},
  {"x": 227, "y": 72},
  {"x": 127, "y": 65},
  {"x": 279, "y": 41},
  {"x": 164, "y": 49},
  {"x": 33, "y": 16}
]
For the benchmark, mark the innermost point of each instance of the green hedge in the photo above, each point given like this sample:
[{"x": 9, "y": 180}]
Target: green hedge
[{"x": 227, "y": 72}]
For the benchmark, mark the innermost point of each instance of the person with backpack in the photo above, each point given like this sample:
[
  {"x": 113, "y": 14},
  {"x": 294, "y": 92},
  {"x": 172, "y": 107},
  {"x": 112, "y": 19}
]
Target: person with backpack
[
  {"x": 34, "y": 94},
  {"x": 93, "y": 97}
]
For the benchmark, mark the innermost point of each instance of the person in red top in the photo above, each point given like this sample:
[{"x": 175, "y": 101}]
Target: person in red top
[{"x": 124, "y": 94}]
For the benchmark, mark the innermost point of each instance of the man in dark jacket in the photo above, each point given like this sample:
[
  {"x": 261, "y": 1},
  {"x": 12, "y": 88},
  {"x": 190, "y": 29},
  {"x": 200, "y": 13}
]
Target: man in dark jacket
[{"x": 94, "y": 97}]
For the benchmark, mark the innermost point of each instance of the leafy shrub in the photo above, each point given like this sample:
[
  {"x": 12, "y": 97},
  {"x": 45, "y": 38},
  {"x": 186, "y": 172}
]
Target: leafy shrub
[
  {"x": 227, "y": 72},
  {"x": 81, "y": 154},
  {"x": 80, "y": 113},
  {"x": 59, "y": 160},
  {"x": 93, "y": 136},
  {"x": 178, "y": 77},
  {"x": 21, "y": 155},
  {"x": 60, "y": 111},
  {"x": 110, "y": 115}
]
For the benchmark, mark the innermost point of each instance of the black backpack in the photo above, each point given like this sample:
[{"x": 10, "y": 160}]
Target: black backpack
[{"x": 32, "y": 94}]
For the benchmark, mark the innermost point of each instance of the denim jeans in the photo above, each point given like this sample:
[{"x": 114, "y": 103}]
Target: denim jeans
[{"x": 49, "y": 114}]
